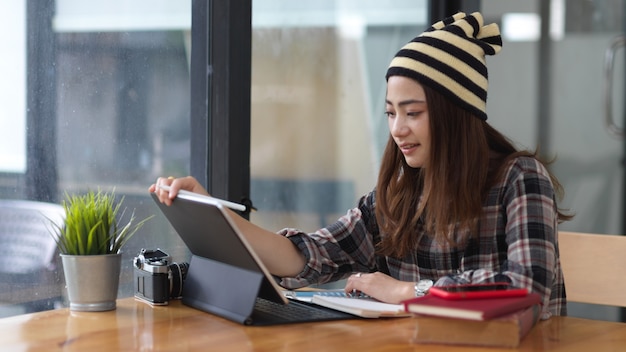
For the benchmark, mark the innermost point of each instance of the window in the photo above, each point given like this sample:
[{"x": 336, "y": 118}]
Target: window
[{"x": 107, "y": 92}]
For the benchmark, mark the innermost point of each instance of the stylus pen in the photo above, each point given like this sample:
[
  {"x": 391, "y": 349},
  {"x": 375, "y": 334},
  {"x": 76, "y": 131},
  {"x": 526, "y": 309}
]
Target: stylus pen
[{"x": 232, "y": 205}]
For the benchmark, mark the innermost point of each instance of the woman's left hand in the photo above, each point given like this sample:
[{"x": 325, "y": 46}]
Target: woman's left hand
[{"x": 381, "y": 287}]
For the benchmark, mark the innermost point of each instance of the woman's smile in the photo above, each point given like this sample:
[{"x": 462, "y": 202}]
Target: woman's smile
[{"x": 408, "y": 148}]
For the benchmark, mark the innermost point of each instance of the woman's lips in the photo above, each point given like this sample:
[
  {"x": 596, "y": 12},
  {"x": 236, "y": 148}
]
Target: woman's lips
[{"x": 408, "y": 148}]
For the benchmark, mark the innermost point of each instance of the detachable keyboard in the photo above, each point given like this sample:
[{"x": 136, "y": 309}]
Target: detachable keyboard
[{"x": 267, "y": 312}]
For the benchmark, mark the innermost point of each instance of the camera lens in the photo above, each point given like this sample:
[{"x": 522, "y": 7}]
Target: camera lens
[{"x": 179, "y": 272}]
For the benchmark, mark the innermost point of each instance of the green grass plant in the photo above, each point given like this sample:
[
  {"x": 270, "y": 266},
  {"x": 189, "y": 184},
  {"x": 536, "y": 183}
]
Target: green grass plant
[{"x": 91, "y": 224}]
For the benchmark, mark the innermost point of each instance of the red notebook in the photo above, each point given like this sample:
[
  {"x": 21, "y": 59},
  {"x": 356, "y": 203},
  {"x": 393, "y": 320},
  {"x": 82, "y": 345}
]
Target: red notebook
[{"x": 472, "y": 309}]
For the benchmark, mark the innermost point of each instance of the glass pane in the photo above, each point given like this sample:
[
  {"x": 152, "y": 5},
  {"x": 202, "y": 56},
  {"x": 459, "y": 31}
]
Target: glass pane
[
  {"x": 122, "y": 113},
  {"x": 588, "y": 159},
  {"x": 317, "y": 103},
  {"x": 13, "y": 86}
]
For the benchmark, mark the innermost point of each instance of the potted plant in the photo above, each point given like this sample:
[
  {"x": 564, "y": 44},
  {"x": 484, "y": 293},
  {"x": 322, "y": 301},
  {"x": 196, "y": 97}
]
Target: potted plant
[{"x": 90, "y": 242}]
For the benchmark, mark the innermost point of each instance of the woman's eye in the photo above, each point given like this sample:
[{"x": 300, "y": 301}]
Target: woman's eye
[
  {"x": 414, "y": 113},
  {"x": 388, "y": 114}
]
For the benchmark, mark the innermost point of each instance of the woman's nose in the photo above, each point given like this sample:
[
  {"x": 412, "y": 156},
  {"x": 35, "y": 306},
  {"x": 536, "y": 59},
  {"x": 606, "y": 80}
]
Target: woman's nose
[{"x": 398, "y": 126}]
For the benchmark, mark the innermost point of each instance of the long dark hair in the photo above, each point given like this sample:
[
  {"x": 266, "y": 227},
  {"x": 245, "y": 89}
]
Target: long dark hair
[{"x": 467, "y": 157}]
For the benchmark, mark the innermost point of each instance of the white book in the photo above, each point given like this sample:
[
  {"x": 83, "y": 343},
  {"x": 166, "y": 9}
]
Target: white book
[{"x": 363, "y": 307}]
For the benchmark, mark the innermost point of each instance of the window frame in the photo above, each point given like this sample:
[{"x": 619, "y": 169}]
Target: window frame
[
  {"x": 41, "y": 175},
  {"x": 221, "y": 32}
]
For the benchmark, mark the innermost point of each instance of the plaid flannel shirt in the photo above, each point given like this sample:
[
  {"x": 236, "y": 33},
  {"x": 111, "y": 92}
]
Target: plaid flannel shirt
[{"x": 517, "y": 243}]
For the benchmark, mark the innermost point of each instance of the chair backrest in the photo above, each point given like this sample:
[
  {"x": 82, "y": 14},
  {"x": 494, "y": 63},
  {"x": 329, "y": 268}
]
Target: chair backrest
[
  {"x": 593, "y": 267},
  {"x": 26, "y": 243}
]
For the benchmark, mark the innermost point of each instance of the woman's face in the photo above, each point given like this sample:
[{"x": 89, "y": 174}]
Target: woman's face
[{"x": 407, "y": 116}]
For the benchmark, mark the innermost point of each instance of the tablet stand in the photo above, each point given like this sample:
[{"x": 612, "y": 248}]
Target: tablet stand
[{"x": 221, "y": 289}]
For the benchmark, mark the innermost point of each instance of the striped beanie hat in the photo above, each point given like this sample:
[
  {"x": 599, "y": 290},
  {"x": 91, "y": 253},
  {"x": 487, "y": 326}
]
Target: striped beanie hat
[{"x": 449, "y": 57}]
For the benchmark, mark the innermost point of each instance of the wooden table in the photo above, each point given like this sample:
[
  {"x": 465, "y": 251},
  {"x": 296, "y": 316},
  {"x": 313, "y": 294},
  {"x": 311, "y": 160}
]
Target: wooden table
[{"x": 137, "y": 326}]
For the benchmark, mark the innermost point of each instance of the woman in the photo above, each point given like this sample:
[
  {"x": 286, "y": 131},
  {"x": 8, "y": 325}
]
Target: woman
[{"x": 455, "y": 202}]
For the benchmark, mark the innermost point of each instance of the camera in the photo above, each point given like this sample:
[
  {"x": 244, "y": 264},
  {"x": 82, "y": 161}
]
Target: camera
[{"x": 157, "y": 278}]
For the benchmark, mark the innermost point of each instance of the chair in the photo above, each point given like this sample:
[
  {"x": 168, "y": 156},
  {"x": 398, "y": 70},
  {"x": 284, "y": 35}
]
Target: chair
[
  {"x": 593, "y": 268},
  {"x": 28, "y": 253}
]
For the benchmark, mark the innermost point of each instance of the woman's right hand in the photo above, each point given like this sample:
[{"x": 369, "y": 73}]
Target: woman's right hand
[{"x": 187, "y": 183}]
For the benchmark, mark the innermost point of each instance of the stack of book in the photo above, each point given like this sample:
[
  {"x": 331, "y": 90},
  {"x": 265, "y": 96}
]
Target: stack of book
[{"x": 494, "y": 322}]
